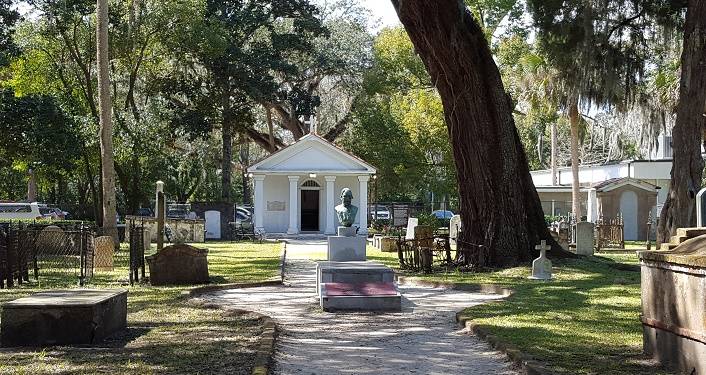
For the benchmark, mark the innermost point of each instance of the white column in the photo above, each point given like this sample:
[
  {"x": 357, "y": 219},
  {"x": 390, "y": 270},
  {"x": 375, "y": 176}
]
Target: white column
[
  {"x": 330, "y": 204},
  {"x": 363, "y": 207},
  {"x": 259, "y": 202},
  {"x": 293, "y": 206}
]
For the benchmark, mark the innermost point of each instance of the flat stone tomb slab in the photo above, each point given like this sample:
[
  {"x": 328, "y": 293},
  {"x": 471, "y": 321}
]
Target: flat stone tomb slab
[
  {"x": 64, "y": 317},
  {"x": 344, "y": 249},
  {"x": 353, "y": 272},
  {"x": 360, "y": 297}
]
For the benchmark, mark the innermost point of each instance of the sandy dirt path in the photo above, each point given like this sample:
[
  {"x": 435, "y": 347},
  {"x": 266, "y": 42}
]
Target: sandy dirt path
[{"x": 421, "y": 339}]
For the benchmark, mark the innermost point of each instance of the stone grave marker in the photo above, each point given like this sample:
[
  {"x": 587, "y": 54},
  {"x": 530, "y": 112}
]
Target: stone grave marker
[
  {"x": 412, "y": 222},
  {"x": 584, "y": 238},
  {"x": 701, "y": 208},
  {"x": 105, "y": 247},
  {"x": 388, "y": 245},
  {"x": 542, "y": 266},
  {"x": 64, "y": 317},
  {"x": 179, "y": 265},
  {"x": 454, "y": 229}
]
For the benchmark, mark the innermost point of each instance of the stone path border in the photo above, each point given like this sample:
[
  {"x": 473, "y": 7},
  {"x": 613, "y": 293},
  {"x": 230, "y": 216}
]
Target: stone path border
[{"x": 529, "y": 365}]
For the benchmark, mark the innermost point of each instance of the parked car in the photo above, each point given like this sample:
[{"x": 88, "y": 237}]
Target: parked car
[
  {"x": 246, "y": 211},
  {"x": 20, "y": 211},
  {"x": 52, "y": 213},
  {"x": 178, "y": 211},
  {"x": 241, "y": 217},
  {"x": 443, "y": 214},
  {"x": 145, "y": 211}
]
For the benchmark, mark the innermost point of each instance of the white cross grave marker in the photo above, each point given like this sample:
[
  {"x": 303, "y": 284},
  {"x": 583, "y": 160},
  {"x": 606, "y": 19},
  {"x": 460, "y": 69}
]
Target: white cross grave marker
[{"x": 542, "y": 266}]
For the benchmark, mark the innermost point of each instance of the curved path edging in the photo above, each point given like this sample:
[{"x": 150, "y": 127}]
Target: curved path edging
[{"x": 266, "y": 345}]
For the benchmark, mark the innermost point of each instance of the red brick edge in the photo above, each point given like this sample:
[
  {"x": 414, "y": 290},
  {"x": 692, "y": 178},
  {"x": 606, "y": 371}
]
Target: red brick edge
[{"x": 524, "y": 361}]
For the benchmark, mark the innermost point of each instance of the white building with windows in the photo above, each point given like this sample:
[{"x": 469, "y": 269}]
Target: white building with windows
[{"x": 297, "y": 188}]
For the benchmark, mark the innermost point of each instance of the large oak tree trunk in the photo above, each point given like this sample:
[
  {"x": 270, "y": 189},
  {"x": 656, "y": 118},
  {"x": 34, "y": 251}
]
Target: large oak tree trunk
[
  {"x": 680, "y": 207},
  {"x": 500, "y": 208},
  {"x": 106, "y": 124}
]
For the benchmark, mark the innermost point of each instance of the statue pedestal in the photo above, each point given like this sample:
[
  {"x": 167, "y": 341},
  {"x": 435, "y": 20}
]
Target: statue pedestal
[
  {"x": 345, "y": 249},
  {"x": 347, "y": 231}
]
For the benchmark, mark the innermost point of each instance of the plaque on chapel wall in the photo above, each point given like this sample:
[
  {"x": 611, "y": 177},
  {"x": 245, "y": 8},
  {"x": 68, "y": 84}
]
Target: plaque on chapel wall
[{"x": 275, "y": 206}]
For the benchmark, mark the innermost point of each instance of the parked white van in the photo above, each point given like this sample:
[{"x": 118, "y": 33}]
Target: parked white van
[{"x": 20, "y": 211}]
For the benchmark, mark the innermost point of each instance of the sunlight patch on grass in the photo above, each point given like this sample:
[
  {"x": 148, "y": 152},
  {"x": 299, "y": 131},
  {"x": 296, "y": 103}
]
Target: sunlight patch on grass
[{"x": 166, "y": 334}]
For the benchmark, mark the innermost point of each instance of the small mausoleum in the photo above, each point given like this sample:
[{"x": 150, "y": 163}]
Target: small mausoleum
[{"x": 297, "y": 187}]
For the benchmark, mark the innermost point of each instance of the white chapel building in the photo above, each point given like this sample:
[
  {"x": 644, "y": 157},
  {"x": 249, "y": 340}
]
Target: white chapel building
[{"x": 297, "y": 187}]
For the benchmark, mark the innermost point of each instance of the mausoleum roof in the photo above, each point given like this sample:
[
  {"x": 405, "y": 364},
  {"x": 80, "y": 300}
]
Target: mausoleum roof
[
  {"x": 312, "y": 154},
  {"x": 615, "y": 183}
]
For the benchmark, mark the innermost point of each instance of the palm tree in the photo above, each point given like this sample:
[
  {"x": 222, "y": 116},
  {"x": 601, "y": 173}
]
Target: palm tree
[{"x": 106, "y": 125}]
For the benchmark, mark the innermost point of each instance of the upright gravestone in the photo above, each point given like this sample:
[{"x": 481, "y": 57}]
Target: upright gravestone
[
  {"x": 584, "y": 238},
  {"x": 454, "y": 229},
  {"x": 542, "y": 266},
  {"x": 105, "y": 248},
  {"x": 412, "y": 223},
  {"x": 701, "y": 208}
]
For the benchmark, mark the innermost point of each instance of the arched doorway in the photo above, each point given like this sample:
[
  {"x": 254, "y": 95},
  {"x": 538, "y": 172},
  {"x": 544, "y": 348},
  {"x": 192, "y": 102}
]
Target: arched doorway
[
  {"x": 310, "y": 197},
  {"x": 628, "y": 207}
]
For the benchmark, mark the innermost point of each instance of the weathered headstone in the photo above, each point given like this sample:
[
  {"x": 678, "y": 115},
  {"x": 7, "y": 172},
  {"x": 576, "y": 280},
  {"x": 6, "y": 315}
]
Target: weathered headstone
[
  {"x": 412, "y": 223},
  {"x": 584, "y": 238},
  {"x": 388, "y": 245},
  {"x": 701, "y": 208},
  {"x": 105, "y": 247},
  {"x": 424, "y": 234},
  {"x": 454, "y": 229},
  {"x": 179, "y": 265},
  {"x": 64, "y": 317},
  {"x": 542, "y": 266}
]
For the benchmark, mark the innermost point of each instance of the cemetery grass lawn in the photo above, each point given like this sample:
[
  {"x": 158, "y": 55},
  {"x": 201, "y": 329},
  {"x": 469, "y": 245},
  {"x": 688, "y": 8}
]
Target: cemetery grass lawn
[
  {"x": 585, "y": 321},
  {"x": 166, "y": 333}
]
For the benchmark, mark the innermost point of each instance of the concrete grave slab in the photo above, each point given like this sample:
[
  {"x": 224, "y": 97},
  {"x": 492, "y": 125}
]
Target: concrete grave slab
[{"x": 64, "y": 317}]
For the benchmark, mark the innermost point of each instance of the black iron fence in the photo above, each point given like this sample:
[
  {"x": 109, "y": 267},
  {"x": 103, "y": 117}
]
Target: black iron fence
[
  {"x": 137, "y": 252},
  {"x": 45, "y": 251}
]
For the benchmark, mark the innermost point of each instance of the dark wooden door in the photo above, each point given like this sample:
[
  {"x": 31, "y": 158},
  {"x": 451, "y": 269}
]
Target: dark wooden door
[{"x": 310, "y": 211}]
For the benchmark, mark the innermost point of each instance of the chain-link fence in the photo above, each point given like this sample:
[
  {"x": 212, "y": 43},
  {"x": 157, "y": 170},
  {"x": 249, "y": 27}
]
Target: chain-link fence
[{"x": 50, "y": 252}]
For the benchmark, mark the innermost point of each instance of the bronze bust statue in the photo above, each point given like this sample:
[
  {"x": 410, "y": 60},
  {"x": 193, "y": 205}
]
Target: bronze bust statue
[{"x": 346, "y": 211}]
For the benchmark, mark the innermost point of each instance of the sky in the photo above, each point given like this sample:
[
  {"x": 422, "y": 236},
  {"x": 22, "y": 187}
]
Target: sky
[{"x": 382, "y": 11}]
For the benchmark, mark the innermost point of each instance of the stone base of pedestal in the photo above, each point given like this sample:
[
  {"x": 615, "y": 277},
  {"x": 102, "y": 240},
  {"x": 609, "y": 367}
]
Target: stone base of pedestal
[
  {"x": 360, "y": 297},
  {"x": 344, "y": 249},
  {"x": 353, "y": 273},
  {"x": 63, "y": 317}
]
